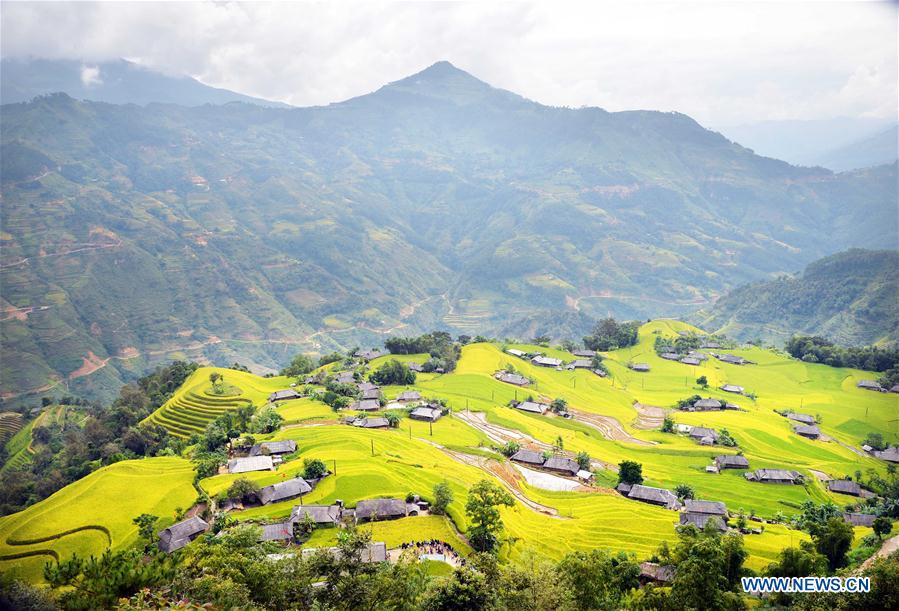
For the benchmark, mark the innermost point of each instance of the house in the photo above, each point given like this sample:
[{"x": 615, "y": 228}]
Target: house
[
  {"x": 384, "y": 509},
  {"x": 587, "y": 354},
  {"x": 703, "y": 435},
  {"x": 374, "y": 552},
  {"x": 641, "y": 367},
  {"x": 585, "y": 476},
  {"x": 545, "y": 361},
  {"x": 282, "y": 491},
  {"x": 371, "y": 393},
  {"x": 712, "y": 469},
  {"x": 810, "y": 432},
  {"x": 288, "y": 446},
  {"x": 409, "y": 395},
  {"x": 860, "y": 519},
  {"x": 654, "y": 496},
  {"x": 650, "y": 572},
  {"x": 368, "y": 355},
  {"x": 531, "y": 407},
  {"x": 600, "y": 373},
  {"x": 704, "y": 405},
  {"x": 670, "y": 356},
  {"x": 181, "y": 533},
  {"x": 713, "y": 508},
  {"x": 283, "y": 395},
  {"x": 845, "y": 486},
  {"x": 363, "y": 386},
  {"x": 711, "y": 345},
  {"x": 733, "y": 388},
  {"x": 366, "y": 405},
  {"x": 699, "y": 520},
  {"x": 416, "y": 367},
  {"x": 731, "y": 359},
  {"x": 428, "y": 414},
  {"x": 895, "y": 389},
  {"x": 689, "y": 360},
  {"x": 372, "y": 423},
  {"x": 624, "y": 488},
  {"x": 515, "y": 352},
  {"x": 512, "y": 378},
  {"x": 580, "y": 364},
  {"x": 774, "y": 476},
  {"x": 322, "y": 515},
  {"x": 803, "y": 418},
  {"x": 869, "y": 385},
  {"x": 345, "y": 377},
  {"x": 891, "y": 454},
  {"x": 732, "y": 461},
  {"x": 562, "y": 465},
  {"x": 250, "y": 463},
  {"x": 528, "y": 457},
  {"x": 282, "y": 531}
]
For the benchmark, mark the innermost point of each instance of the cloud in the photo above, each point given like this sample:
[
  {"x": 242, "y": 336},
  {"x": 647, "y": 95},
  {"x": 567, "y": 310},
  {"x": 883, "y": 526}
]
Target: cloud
[
  {"x": 90, "y": 76},
  {"x": 721, "y": 62}
]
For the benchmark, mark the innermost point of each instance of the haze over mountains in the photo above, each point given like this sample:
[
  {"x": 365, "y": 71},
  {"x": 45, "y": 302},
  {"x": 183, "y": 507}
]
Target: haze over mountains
[{"x": 242, "y": 232}]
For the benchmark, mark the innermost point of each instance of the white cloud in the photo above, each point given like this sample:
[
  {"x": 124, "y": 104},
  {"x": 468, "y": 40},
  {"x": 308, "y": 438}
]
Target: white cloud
[
  {"x": 90, "y": 76},
  {"x": 721, "y": 62}
]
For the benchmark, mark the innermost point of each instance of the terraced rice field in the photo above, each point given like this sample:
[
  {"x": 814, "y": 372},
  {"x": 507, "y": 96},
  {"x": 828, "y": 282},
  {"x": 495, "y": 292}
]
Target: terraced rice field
[
  {"x": 10, "y": 424},
  {"x": 94, "y": 513}
]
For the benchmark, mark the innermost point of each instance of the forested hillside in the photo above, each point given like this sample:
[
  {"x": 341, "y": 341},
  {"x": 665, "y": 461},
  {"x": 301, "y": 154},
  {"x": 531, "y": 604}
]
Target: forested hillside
[
  {"x": 851, "y": 297},
  {"x": 239, "y": 232}
]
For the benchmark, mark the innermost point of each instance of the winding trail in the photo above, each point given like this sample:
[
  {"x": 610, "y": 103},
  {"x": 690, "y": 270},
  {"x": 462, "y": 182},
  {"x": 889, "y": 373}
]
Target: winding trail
[
  {"x": 889, "y": 546},
  {"x": 609, "y": 427}
]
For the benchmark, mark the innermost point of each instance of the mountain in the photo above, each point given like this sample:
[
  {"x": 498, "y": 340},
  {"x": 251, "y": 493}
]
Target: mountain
[
  {"x": 119, "y": 82},
  {"x": 812, "y": 142},
  {"x": 851, "y": 297},
  {"x": 238, "y": 232},
  {"x": 880, "y": 148}
]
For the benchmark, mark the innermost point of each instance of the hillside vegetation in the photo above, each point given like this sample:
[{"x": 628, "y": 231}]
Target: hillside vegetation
[
  {"x": 851, "y": 298},
  {"x": 237, "y": 232}
]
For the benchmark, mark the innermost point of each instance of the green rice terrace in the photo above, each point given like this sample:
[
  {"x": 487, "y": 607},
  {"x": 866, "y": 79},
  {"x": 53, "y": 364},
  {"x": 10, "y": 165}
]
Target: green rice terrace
[{"x": 611, "y": 418}]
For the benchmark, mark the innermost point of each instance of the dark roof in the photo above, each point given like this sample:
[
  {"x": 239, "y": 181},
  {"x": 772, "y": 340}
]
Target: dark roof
[
  {"x": 281, "y": 395},
  {"x": 732, "y": 461},
  {"x": 699, "y": 520},
  {"x": 417, "y": 367},
  {"x": 624, "y": 487},
  {"x": 531, "y": 406},
  {"x": 860, "y": 519},
  {"x": 845, "y": 486},
  {"x": 869, "y": 384},
  {"x": 371, "y": 393},
  {"x": 292, "y": 488},
  {"x": 512, "y": 378},
  {"x": 363, "y": 386},
  {"x": 320, "y": 514},
  {"x": 657, "y": 572},
  {"x": 530, "y": 457},
  {"x": 671, "y": 356},
  {"x": 891, "y": 454},
  {"x": 587, "y": 353},
  {"x": 658, "y": 496},
  {"x": 729, "y": 358},
  {"x": 558, "y": 463},
  {"x": 181, "y": 533},
  {"x": 689, "y": 360},
  {"x": 281, "y": 531},
  {"x": 546, "y": 361},
  {"x": 287, "y": 446},
  {"x": 708, "y": 404},
  {"x": 895, "y": 388},
  {"x": 426, "y": 413},
  {"x": 700, "y": 431},
  {"x": 380, "y": 508},
  {"x": 409, "y": 395},
  {"x": 580, "y": 364},
  {"x": 250, "y": 463},
  {"x": 804, "y": 418},
  {"x": 345, "y": 377},
  {"x": 709, "y": 507},
  {"x": 639, "y": 366},
  {"x": 372, "y": 423},
  {"x": 807, "y": 431},
  {"x": 366, "y": 405},
  {"x": 766, "y": 475}
]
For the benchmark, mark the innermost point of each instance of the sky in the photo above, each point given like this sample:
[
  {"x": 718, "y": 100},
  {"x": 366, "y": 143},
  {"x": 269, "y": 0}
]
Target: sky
[{"x": 724, "y": 63}]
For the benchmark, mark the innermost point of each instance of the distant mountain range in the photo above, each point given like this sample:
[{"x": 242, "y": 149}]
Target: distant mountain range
[
  {"x": 242, "y": 232},
  {"x": 120, "y": 82},
  {"x": 851, "y": 297}
]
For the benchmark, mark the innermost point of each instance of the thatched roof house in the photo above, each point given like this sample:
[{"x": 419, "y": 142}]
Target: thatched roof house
[
  {"x": 654, "y": 496},
  {"x": 409, "y": 395},
  {"x": 531, "y": 407},
  {"x": 774, "y": 476},
  {"x": 282, "y": 531},
  {"x": 250, "y": 463},
  {"x": 803, "y": 418},
  {"x": 428, "y": 414},
  {"x": 512, "y": 378},
  {"x": 731, "y": 461},
  {"x": 282, "y": 491},
  {"x": 562, "y": 465},
  {"x": 808, "y": 431},
  {"x": 845, "y": 486},
  {"x": 384, "y": 509},
  {"x": 327, "y": 515},
  {"x": 546, "y": 361},
  {"x": 288, "y": 446},
  {"x": 181, "y": 533},
  {"x": 283, "y": 395},
  {"x": 528, "y": 457}
]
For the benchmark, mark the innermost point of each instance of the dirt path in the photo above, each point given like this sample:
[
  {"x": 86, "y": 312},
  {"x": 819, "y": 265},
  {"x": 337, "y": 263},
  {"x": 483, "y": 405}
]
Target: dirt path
[
  {"x": 608, "y": 426},
  {"x": 496, "y": 433},
  {"x": 820, "y": 475},
  {"x": 649, "y": 416},
  {"x": 851, "y": 448},
  {"x": 889, "y": 546}
]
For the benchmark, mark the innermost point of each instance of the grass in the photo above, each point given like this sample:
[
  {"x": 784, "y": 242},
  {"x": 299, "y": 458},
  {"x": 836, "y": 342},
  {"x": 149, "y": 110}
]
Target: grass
[{"x": 95, "y": 512}]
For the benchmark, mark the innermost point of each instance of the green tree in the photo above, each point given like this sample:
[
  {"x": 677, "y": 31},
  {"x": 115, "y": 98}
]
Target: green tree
[
  {"x": 443, "y": 496},
  {"x": 583, "y": 461},
  {"x": 146, "y": 523},
  {"x": 299, "y": 366},
  {"x": 267, "y": 420},
  {"x": 313, "y": 468},
  {"x": 510, "y": 448},
  {"x": 703, "y": 381},
  {"x": 243, "y": 489},
  {"x": 684, "y": 491},
  {"x": 559, "y": 405},
  {"x": 598, "y": 579},
  {"x": 882, "y": 527},
  {"x": 558, "y": 444},
  {"x": 393, "y": 373},
  {"x": 833, "y": 540},
  {"x": 630, "y": 472},
  {"x": 668, "y": 425},
  {"x": 484, "y": 498}
]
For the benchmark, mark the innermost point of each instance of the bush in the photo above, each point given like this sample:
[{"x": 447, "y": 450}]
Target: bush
[
  {"x": 393, "y": 373},
  {"x": 630, "y": 472},
  {"x": 510, "y": 448},
  {"x": 314, "y": 468}
]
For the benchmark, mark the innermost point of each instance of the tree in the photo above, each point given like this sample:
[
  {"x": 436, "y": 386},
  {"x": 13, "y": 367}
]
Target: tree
[
  {"x": 481, "y": 509},
  {"x": 393, "y": 421},
  {"x": 583, "y": 461},
  {"x": 214, "y": 378},
  {"x": 299, "y": 366},
  {"x": 833, "y": 540},
  {"x": 608, "y": 334},
  {"x": 875, "y": 440},
  {"x": 630, "y": 472},
  {"x": 243, "y": 489},
  {"x": 559, "y": 405},
  {"x": 882, "y": 527},
  {"x": 542, "y": 340},
  {"x": 558, "y": 444},
  {"x": 703, "y": 381},
  {"x": 393, "y": 373},
  {"x": 598, "y": 579},
  {"x": 510, "y": 448},
  {"x": 267, "y": 420},
  {"x": 443, "y": 496},
  {"x": 684, "y": 491},
  {"x": 146, "y": 523},
  {"x": 668, "y": 425},
  {"x": 314, "y": 468}
]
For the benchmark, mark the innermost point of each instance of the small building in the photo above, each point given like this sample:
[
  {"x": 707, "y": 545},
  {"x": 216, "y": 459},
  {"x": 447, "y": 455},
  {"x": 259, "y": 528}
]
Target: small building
[
  {"x": 891, "y": 454},
  {"x": 689, "y": 360},
  {"x": 774, "y": 476},
  {"x": 600, "y": 372},
  {"x": 374, "y": 552},
  {"x": 515, "y": 352},
  {"x": 845, "y": 486},
  {"x": 250, "y": 463},
  {"x": 345, "y": 377},
  {"x": 416, "y": 367},
  {"x": 670, "y": 356},
  {"x": 585, "y": 476},
  {"x": 739, "y": 390},
  {"x": 803, "y": 418},
  {"x": 528, "y": 457},
  {"x": 809, "y": 432},
  {"x": 705, "y": 405},
  {"x": 512, "y": 378},
  {"x": 283, "y": 491},
  {"x": 587, "y": 354},
  {"x": 409, "y": 395},
  {"x": 368, "y": 355},
  {"x": 731, "y": 359},
  {"x": 322, "y": 515},
  {"x": 371, "y": 394},
  {"x": 580, "y": 364},
  {"x": 860, "y": 519},
  {"x": 282, "y": 531},
  {"x": 895, "y": 389},
  {"x": 699, "y": 520},
  {"x": 650, "y": 572},
  {"x": 288, "y": 446},
  {"x": 712, "y": 469},
  {"x": 713, "y": 508},
  {"x": 181, "y": 533},
  {"x": 545, "y": 361},
  {"x": 711, "y": 345},
  {"x": 531, "y": 407},
  {"x": 372, "y": 423},
  {"x": 562, "y": 465},
  {"x": 364, "y": 386},
  {"x": 624, "y": 488},
  {"x": 732, "y": 461},
  {"x": 384, "y": 509},
  {"x": 654, "y": 496},
  {"x": 428, "y": 414},
  {"x": 701, "y": 433},
  {"x": 366, "y": 405},
  {"x": 640, "y": 367},
  {"x": 869, "y": 385},
  {"x": 283, "y": 395}
]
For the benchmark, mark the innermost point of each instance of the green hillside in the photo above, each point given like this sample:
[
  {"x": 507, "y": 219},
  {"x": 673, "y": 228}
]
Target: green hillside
[
  {"x": 138, "y": 234},
  {"x": 851, "y": 298}
]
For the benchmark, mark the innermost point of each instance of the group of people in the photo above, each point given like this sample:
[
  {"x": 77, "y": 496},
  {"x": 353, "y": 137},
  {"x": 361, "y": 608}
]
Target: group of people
[{"x": 435, "y": 547}]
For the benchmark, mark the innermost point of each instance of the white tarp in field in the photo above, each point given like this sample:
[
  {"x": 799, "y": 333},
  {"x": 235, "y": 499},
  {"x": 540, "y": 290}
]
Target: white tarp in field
[{"x": 547, "y": 481}]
